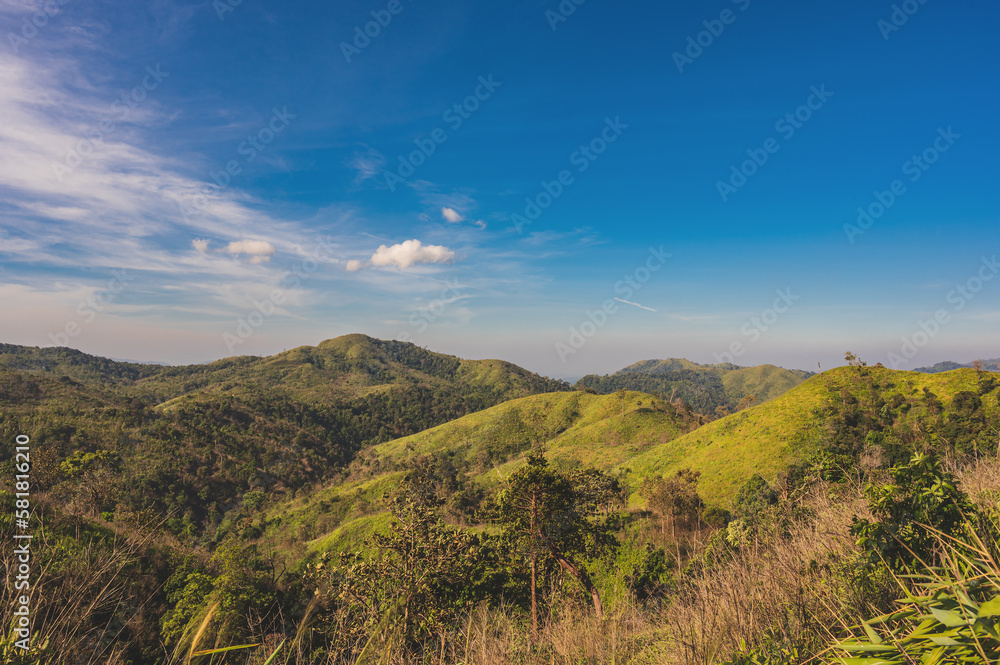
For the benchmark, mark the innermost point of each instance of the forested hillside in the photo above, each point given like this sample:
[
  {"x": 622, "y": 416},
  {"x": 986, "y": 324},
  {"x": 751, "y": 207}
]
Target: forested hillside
[
  {"x": 191, "y": 442},
  {"x": 367, "y": 501},
  {"x": 714, "y": 390}
]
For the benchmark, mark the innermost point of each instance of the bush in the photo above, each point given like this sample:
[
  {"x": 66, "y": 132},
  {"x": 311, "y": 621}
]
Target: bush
[{"x": 921, "y": 495}]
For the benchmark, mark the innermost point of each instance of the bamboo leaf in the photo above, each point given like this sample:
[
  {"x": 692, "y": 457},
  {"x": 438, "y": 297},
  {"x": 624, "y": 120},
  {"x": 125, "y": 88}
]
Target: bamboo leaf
[
  {"x": 209, "y": 652},
  {"x": 948, "y": 618},
  {"x": 872, "y": 635},
  {"x": 275, "y": 654},
  {"x": 990, "y": 608},
  {"x": 866, "y": 648}
]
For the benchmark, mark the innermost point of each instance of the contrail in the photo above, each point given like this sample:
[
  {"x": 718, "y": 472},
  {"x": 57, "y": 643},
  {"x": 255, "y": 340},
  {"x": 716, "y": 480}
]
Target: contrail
[{"x": 635, "y": 304}]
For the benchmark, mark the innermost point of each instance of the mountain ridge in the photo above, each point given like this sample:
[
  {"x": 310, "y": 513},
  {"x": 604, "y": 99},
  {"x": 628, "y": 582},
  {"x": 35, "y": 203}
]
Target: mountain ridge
[{"x": 710, "y": 389}]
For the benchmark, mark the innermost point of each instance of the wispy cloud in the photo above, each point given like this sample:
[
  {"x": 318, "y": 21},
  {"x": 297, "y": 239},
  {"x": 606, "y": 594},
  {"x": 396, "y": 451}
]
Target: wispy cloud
[
  {"x": 368, "y": 164},
  {"x": 635, "y": 304},
  {"x": 119, "y": 206}
]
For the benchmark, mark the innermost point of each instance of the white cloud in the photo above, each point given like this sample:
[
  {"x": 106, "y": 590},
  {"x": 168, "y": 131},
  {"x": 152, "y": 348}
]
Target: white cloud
[
  {"x": 354, "y": 265},
  {"x": 411, "y": 252},
  {"x": 200, "y": 245},
  {"x": 451, "y": 215},
  {"x": 257, "y": 248}
]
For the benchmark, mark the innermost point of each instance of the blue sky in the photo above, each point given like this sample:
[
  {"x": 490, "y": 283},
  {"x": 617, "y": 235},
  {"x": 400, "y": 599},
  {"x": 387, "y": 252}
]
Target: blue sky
[{"x": 386, "y": 183}]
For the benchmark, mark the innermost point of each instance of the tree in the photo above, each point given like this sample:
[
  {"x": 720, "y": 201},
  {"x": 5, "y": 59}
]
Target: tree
[
  {"x": 546, "y": 515},
  {"x": 746, "y": 402},
  {"x": 921, "y": 495},
  {"x": 421, "y": 575},
  {"x": 674, "y": 498}
]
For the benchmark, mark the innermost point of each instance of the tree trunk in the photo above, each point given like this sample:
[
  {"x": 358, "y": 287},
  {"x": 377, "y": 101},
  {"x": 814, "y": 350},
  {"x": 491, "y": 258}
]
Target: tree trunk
[
  {"x": 581, "y": 575},
  {"x": 534, "y": 570},
  {"x": 534, "y": 596}
]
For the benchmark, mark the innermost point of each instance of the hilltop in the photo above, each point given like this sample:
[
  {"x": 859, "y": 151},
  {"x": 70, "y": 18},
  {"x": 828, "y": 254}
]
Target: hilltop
[{"x": 709, "y": 389}]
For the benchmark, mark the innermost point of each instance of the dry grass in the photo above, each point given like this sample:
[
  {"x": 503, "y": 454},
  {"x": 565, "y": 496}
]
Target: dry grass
[
  {"x": 980, "y": 480},
  {"x": 500, "y": 637},
  {"x": 775, "y": 589},
  {"x": 83, "y": 605}
]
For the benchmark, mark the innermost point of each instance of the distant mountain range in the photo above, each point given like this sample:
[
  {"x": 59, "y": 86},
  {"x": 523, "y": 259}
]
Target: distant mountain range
[
  {"x": 993, "y": 365},
  {"x": 709, "y": 389}
]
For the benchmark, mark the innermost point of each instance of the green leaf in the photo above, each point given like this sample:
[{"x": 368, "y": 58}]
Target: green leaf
[
  {"x": 274, "y": 655},
  {"x": 865, "y": 648},
  {"x": 209, "y": 652},
  {"x": 872, "y": 635},
  {"x": 990, "y": 608},
  {"x": 948, "y": 618},
  {"x": 930, "y": 658}
]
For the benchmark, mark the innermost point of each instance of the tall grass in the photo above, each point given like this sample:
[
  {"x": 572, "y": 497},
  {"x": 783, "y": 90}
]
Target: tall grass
[
  {"x": 85, "y": 601},
  {"x": 796, "y": 581},
  {"x": 791, "y": 582}
]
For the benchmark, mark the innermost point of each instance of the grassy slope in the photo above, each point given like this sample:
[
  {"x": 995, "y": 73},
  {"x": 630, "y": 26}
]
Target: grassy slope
[
  {"x": 764, "y": 381},
  {"x": 343, "y": 367},
  {"x": 766, "y": 438},
  {"x": 581, "y": 428},
  {"x": 576, "y": 427}
]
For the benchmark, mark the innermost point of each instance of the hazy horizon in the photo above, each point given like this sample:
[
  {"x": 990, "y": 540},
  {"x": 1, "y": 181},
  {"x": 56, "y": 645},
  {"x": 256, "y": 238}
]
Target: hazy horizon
[{"x": 564, "y": 376}]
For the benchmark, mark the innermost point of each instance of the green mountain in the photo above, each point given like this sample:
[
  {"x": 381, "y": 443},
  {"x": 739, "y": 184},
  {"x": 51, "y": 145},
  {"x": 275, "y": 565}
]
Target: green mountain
[
  {"x": 833, "y": 418},
  {"x": 225, "y": 480},
  {"x": 993, "y": 365},
  {"x": 471, "y": 455},
  {"x": 194, "y": 440},
  {"x": 709, "y": 389}
]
